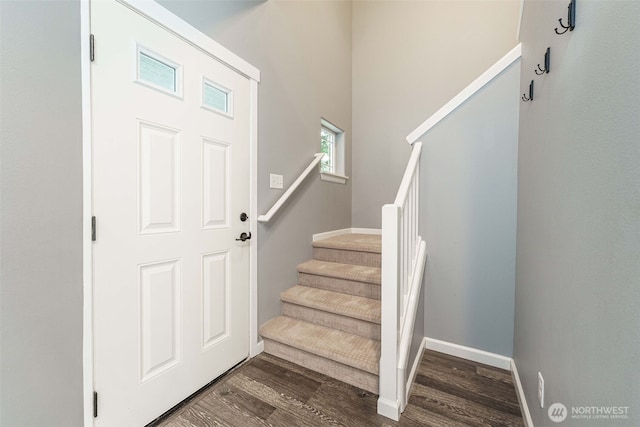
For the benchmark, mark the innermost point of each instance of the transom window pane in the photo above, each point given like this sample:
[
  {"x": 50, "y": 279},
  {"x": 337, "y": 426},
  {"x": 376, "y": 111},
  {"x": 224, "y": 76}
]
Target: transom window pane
[
  {"x": 215, "y": 97},
  {"x": 156, "y": 72}
]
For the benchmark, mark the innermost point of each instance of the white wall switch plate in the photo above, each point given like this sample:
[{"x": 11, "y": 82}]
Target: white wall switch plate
[
  {"x": 540, "y": 389},
  {"x": 275, "y": 181}
]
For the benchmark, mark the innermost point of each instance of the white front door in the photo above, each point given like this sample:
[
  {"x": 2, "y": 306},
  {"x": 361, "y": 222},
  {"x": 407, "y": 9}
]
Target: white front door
[{"x": 171, "y": 132}]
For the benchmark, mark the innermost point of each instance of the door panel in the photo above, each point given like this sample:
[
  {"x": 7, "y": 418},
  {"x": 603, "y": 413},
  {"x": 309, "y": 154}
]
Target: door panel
[{"x": 171, "y": 177}]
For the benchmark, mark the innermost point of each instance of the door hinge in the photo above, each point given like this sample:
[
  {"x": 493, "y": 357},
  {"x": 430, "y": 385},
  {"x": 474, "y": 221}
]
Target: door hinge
[
  {"x": 95, "y": 404},
  {"x": 93, "y": 228},
  {"x": 92, "y": 48}
]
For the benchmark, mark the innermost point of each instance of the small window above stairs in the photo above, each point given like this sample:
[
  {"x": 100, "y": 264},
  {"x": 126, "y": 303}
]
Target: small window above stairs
[{"x": 330, "y": 321}]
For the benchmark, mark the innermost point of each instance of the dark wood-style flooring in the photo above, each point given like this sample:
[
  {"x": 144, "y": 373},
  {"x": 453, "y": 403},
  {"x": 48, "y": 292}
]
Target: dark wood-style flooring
[{"x": 268, "y": 391}]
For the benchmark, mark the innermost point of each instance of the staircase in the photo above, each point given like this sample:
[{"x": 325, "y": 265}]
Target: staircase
[{"x": 330, "y": 321}]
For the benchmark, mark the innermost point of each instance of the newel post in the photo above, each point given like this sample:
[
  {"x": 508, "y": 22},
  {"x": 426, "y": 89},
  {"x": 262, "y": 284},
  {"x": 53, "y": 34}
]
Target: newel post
[{"x": 389, "y": 402}]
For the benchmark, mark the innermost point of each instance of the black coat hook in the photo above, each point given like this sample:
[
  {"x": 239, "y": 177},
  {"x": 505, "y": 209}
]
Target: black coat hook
[
  {"x": 571, "y": 18},
  {"x": 524, "y": 95},
  {"x": 547, "y": 61}
]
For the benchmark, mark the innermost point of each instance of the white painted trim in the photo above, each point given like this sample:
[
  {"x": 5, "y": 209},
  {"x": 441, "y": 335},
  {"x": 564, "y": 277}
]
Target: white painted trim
[
  {"x": 183, "y": 30},
  {"x": 410, "y": 171},
  {"x": 409, "y": 319},
  {"x": 377, "y": 231},
  {"x": 520, "y": 20},
  {"x": 524, "y": 408},
  {"x": 389, "y": 409},
  {"x": 282, "y": 200},
  {"x": 414, "y": 369},
  {"x": 466, "y": 93},
  {"x": 334, "y": 233},
  {"x": 329, "y": 234},
  {"x": 254, "y": 343},
  {"x": 87, "y": 244},
  {"x": 469, "y": 353},
  {"x": 259, "y": 348},
  {"x": 332, "y": 177},
  {"x": 388, "y": 377},
  {"x": 188, "y": 33}
]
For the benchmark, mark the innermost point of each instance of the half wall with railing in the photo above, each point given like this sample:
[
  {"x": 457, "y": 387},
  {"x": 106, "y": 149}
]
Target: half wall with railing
[
  {"x": 404, "y": 256},
  {"x": 404, "y": 252}
]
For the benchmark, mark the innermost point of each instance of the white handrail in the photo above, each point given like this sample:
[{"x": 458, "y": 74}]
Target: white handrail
[
  {"x": 403, "y": 258},
  {"x": 512, "y": 56},
  {"x": 409, "y": 173},
  {"x": 281, "y": 201}
]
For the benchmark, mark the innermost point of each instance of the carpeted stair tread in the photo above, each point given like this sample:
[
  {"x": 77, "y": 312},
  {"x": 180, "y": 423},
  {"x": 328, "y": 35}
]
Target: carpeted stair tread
[
  {"x": 352, "y": 242},
  {"x": 349, "y": 349},
  {"x": 334, "y": 302},
  {"x": 337, "y": 270}
]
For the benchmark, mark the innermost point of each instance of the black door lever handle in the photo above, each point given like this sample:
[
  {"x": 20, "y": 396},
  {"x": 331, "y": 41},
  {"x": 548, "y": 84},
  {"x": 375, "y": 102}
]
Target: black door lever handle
[{"x": 244, "y": 237}]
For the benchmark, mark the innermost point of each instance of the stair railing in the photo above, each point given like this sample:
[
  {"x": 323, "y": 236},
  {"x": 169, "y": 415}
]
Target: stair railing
[
  {"x": 403, "y": 260},
  {"x": 281, "y": 201}
]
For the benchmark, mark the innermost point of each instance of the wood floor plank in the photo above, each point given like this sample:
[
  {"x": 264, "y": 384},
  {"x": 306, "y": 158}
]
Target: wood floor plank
[
  {"x": 236, "y": 407},
  {"x": 468, "y": 392},
  {"x": 195, "y": 416},
  {"x": 462, "y": 410},
  {"x": 475, "y": 383},
  {"x": 502, "y": 376},
  {"x": 271, "y": 392},
  {"x": 463, "y": 374},
  {"x": 177, "y": 421},
  {"x": 428, "y": 419},
  {"x": 282, "y": 380},
  {"x": 497, "y": 379},
  {"x": 457, "y": 365},
  {"x": 306, "y": 415},
  {"x": 349, "y": 405}
]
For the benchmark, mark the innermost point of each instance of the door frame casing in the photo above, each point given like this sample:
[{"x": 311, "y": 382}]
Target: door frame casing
[{"x": 170, "y": 22}]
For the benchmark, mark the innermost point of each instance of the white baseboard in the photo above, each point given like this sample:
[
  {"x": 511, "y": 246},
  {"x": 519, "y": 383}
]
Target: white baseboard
[
  {"x": 334, "y": 233},
  {"x": 257, "y": 348},
  {"x": 367, "y": 231},
  {"x": 469, "y": 353},
  {"x": 328, "y": 234},
  {"x": 524, "y": 408},
  {"x": 389, "y": 409}
]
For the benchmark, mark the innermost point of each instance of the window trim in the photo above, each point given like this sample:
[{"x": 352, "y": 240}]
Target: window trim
[
  {"x": 332, "y": 177},
  {"x": 338, "y": 161}
]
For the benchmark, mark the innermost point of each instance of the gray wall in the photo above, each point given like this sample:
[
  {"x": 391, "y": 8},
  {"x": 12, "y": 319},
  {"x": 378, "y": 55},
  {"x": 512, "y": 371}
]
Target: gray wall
[
  {"x": 303, "y": 50},
  {"x": 41, "y": 181},
  {"x": 41, "y": 214},
  {"x": 409, "y": 59},
  {"x": 578, "y": 265},
  {"x": 468, "y": 218}
]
